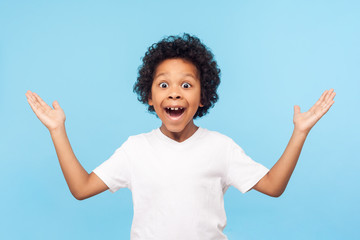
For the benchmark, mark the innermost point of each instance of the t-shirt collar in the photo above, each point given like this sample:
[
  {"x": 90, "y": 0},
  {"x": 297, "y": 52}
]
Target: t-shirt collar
[{"x": 168, "y": 140}]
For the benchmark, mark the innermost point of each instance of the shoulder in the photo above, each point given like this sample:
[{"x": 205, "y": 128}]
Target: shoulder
[{"x": 139, "y": 138}]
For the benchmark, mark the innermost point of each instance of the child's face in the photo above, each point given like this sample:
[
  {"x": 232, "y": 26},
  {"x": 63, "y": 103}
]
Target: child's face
[{"x": 176, "y": 94}]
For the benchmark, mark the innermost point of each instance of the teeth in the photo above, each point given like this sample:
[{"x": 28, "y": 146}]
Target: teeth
[{"x": 168, "y": 108}]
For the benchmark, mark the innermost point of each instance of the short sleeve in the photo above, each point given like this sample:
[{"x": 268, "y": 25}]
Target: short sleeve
[
  {"x": 115, "y": 172},
  {"x": 243, "y": 172}
]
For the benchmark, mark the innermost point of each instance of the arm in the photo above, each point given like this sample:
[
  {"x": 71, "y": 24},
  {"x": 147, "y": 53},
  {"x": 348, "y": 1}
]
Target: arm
[
  {"x": 276, "y": 180},
  {"x": 81, "y": 184}
]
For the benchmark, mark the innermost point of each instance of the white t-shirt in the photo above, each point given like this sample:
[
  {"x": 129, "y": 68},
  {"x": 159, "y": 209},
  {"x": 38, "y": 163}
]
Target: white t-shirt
[{"x": 178, "y": 188}]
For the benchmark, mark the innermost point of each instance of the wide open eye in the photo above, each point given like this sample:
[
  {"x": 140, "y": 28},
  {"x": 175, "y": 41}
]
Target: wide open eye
[
  {"x": 163, "y": 85},
  {"x": 186, "y": 85}
]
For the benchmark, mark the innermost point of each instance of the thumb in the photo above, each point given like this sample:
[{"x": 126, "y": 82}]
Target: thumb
[
  {"x": 56, "y": 105},
  {"x": 296, "y": 109}
]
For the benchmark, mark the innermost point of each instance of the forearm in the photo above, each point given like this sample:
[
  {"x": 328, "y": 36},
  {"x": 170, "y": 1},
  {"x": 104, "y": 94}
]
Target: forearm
[
  {"x": 276, "y": 180},
  {"x": 281, "y": 172},
  {"x": 75, "y": 175}
]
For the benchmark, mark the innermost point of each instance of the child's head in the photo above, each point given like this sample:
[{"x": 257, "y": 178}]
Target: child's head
[{"x": 190, "y": 49}]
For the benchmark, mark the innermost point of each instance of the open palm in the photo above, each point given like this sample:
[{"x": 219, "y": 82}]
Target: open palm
[
  {"x": 306, "y": 120},
  {"x": 52, "y": 118}
]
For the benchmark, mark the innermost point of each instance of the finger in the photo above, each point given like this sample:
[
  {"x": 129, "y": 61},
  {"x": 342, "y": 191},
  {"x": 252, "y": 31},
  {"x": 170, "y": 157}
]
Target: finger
[
  {"x": 325, "y": 97},
  {"x": 329, "y": 104},
  {"x": 329, "y": 101},
  {"x": 328, "y": 95},
  {"x": 35, "y": 105},
  {"x": 319, "y": 102},
  {"x": 29, "y": 94},
  {"x": 296, "y": 109},
  {"x": 332, "y": 96},
  {"x": 29, "y": 101},
  {"x": 56, "y": 105},
  {"x": 326, "y": 107},
  {"x": 35, "y": 101},
  {"x": 322, "y": 97},
  {"x": 42, "y": 103}
]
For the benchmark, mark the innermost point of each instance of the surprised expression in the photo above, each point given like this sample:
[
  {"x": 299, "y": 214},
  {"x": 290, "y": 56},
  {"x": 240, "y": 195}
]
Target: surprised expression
[{"x": 176, "y": 93}]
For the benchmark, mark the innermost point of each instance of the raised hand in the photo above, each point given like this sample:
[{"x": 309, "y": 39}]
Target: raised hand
[
  {"x": 305, "y": 121},
  {"x": 51, "y": 118}
]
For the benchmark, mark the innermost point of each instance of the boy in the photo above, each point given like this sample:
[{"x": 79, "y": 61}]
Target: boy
[{"x": 178, "y": 173}]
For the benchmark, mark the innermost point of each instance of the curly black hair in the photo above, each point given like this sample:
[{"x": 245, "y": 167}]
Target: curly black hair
[{"x": 189, "y": 48}]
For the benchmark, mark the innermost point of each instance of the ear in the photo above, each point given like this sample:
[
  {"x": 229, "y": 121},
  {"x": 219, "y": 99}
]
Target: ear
[
  {"x": 150, "y": 102},
  {"x": 201, "y": 105}
]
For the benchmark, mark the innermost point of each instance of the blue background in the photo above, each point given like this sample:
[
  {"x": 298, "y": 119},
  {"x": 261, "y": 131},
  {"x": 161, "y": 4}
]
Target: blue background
[{"x": 273, "y": 55}]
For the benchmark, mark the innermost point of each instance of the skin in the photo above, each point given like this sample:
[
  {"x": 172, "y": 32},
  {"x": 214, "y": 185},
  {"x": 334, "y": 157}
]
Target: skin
[
  {"x": 168, "y": 89},
  {"x": 276, "y": 180},
  {"x": 176, "y": 84},
  {"x": 81, "y": 184}
]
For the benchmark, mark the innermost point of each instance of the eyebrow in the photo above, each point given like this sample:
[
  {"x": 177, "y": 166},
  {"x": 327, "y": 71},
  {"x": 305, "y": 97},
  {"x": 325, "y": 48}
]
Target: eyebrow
[{"x": 166, "y": 74}]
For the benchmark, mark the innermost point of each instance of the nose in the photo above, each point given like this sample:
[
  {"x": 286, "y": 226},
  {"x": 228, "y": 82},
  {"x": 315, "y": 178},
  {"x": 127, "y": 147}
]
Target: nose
[{"x": 174, "y": 94}]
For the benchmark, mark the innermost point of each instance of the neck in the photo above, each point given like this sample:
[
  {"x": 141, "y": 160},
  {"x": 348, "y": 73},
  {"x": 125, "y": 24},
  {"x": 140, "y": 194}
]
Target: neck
[{"x": 182, "y": 135}]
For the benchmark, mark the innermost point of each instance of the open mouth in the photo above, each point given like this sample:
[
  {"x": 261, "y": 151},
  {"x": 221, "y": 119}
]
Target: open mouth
[{"x": 174, "y": 112}]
